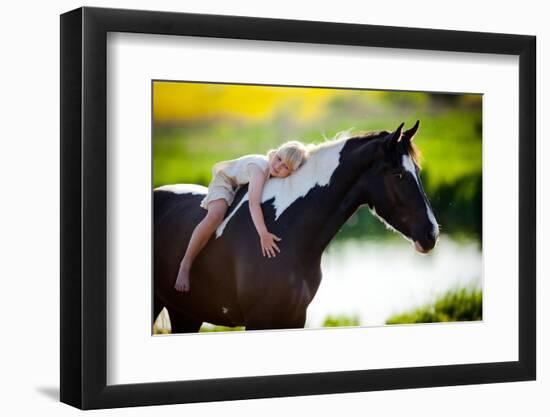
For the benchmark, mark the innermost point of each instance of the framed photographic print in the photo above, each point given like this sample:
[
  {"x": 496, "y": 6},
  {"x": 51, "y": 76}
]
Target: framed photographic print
[{"x": 259, "y": 207}]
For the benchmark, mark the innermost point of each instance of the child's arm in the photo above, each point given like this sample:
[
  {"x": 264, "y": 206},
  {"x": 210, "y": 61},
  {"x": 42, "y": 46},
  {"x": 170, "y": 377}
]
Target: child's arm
[{"x": 255, "y": 188}]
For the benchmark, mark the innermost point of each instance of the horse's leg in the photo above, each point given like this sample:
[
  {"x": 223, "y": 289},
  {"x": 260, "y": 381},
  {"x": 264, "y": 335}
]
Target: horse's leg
[
  {"x": 182, "y": 323},
  {"x": 300, "y": 321}
]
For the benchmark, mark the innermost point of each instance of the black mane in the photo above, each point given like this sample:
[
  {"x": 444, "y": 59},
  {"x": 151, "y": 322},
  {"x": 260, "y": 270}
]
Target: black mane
[{"x": 404, "y": 146}]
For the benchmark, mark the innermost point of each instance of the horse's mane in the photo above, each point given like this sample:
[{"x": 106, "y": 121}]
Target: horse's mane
[{"x": 407, "y": 146}]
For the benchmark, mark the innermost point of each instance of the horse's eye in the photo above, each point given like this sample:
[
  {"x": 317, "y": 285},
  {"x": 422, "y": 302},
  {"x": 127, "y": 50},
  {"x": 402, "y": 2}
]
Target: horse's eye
[{"x": 398, "y": 175}]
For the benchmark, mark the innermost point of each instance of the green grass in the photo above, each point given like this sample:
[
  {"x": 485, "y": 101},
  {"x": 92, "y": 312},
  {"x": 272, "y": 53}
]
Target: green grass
[
  {"x": 210, "y": 328},
  {"x": 464, "y": 304},
  {"x": 341, "y": 320}
]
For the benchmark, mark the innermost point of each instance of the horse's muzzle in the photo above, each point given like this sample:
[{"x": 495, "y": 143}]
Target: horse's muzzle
[
  {"x": 427, "y": 243},
  {"x": 420, "y": 248}
]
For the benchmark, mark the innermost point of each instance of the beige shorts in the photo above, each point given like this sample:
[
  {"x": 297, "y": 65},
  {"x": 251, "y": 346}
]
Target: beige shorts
[{"x": 220, "y": 187}]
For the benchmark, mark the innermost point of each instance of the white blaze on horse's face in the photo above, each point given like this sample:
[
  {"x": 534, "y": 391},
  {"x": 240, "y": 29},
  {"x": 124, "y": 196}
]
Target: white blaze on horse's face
[
  {"x": 408, "y": 165},
  {"x": 316, "y": 171}
]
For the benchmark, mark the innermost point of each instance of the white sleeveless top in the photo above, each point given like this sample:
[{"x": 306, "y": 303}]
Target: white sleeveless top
[{"x": 236, "y": 169}]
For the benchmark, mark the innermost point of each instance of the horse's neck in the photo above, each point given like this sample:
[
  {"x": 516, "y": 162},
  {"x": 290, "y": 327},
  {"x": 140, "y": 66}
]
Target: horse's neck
[
  {"x": 330, "y": 218},
  {"x": 330, "y": 206}
]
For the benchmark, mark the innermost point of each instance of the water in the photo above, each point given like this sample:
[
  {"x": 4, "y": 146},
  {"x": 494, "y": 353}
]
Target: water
[{"x": 376, "y": 279}]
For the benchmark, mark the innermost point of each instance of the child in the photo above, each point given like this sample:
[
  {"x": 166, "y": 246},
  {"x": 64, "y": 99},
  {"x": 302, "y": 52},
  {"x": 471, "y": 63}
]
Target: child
[{"x": 227, "y": 175}]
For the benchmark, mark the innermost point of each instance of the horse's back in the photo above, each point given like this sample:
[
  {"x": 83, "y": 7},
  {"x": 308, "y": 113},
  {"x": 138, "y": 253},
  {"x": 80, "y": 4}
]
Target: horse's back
[
  {"x": 181, "y": 198},
  {"x": 212, "y": 292},
  {"x": 175, "y": 216}
]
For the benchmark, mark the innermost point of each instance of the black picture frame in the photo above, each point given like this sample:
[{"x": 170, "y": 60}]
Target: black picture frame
[{"x": 84, "y": 207}]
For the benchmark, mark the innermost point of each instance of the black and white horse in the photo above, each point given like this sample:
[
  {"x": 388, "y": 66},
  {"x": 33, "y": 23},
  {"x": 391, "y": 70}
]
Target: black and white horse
[{"x": 232, "y": 284}]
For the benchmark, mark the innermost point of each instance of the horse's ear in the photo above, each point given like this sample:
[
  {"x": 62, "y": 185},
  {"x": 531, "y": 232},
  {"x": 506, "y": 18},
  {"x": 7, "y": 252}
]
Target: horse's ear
[
  {"x": 409, "y": 134},
  {"x": 396, "y": 136}
]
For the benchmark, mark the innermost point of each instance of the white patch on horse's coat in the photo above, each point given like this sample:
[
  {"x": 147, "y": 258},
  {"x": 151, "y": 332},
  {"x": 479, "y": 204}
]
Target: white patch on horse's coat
[
  {"x": 316, "y": 171},
  {"x": 225, "y": 310},
  {"x": 408, "y": 165},
  {"x": 183, "y": 189}
]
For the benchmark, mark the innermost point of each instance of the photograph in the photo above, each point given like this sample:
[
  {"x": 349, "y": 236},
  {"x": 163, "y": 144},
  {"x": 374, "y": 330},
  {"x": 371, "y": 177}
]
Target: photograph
[{"x": 292, "y": 207}]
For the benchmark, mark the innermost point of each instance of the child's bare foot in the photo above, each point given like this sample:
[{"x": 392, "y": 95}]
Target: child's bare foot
[{"x": 182, "y": 281}]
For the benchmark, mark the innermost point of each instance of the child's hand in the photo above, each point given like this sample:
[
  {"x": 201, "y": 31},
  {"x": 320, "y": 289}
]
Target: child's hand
[{"x": 267, "y": 240}]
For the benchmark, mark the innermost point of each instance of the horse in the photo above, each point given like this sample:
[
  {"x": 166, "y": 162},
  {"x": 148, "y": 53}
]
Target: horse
[{"x": 233, "y": 284}]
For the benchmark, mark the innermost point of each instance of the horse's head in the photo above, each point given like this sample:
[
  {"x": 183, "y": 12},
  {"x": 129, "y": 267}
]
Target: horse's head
[{"x": 394, "y": 191}]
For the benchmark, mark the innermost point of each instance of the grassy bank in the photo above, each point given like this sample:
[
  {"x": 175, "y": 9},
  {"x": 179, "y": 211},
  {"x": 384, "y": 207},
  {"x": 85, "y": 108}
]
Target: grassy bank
[{"x": 464, "y": 304}]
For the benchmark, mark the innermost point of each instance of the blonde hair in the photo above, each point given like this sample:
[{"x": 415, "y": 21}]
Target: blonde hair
[{"x": 293, "y": 153}]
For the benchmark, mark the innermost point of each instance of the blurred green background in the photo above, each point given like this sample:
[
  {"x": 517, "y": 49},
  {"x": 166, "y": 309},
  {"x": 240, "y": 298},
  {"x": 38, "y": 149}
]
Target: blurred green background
[{"x": 196, "y": 125}]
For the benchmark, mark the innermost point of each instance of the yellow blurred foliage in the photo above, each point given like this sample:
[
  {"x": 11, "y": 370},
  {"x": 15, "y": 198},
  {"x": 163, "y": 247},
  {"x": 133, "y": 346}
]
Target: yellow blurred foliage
[{"x": 183, "y": 101}]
